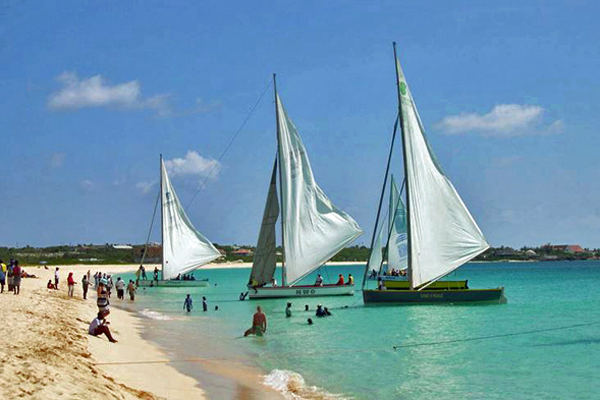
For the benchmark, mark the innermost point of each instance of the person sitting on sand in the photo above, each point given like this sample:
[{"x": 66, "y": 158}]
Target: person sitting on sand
[
  {"x": 188, "y": 303},
  {"x": 50, "y": 285},
  {"x": 99, "y": 326},
  {"x": 340, "y": 281},
  {"x": 259, "y": 323}
]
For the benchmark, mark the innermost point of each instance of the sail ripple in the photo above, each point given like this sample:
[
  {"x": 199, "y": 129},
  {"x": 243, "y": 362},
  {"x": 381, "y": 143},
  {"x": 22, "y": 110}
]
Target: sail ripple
[
  {"x": 443, "y": 234},
  {"x": 184, "y": 248},
  {"x": 397, "y": 241},
  {"x": 314, "y": 229},
  {"x": 265, "y": 257}
]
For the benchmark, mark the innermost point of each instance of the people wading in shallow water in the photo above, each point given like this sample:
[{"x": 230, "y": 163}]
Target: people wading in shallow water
[
  {"x": 188, "y": 304},
  {"x": 259, "y": 323}
]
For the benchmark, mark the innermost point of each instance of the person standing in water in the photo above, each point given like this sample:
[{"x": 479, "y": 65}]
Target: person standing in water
[
  {"x": 131, "y": 290},
  {"x": 204, "y": 304},
  {"x": 288, "y": 310},
  {"x": 188, "y": 304},
  {"x": 259, "y": 323}
]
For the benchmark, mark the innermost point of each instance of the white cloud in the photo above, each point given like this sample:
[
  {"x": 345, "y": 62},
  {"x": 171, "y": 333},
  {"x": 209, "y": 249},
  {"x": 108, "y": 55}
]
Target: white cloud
[
  {"x": 502, "y": 120},
  {"x": 86, "y": 185},
  {"x": 96, "y": 92},
  {"x": 193, "y": 164},
  {"x": 56, "y": 160},
  {"x": 145, "y": 187}
]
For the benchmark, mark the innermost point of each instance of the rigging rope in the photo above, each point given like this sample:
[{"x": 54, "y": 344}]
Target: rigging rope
[
  {"x": 150, "y": 230},
  {"x": 373, "y": 350},
  {"x": 214, "y": 167}
]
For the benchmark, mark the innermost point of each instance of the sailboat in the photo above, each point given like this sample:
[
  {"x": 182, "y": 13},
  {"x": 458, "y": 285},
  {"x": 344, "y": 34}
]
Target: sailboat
[
  {"x": 441, "y": 233},
  {"x": 184, "y": 249},
  {"x": 313, "y": 228}
]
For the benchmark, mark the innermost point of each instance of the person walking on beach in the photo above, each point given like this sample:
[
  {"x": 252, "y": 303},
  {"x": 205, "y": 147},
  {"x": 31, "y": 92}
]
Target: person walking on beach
[
  {"x": 56, "y": 278},
  {"x": 131, "y": 290},
  {"x": 259, "y": 323},
  {"x": 70, "y": 284},
  {"x": 85, "y": 284},
  {"x": 16, "y": 272},
  {"x": 204, "y": 304},
  {"x": 138, "y": 273},
  {"x": 2, "y": 276},
  {"x": 9, "y": 274},
  {"x": 288, "y": 310},
  {"x": 188, "y": 304},
  {"x": 102, "y": 301},
  {"x": 99, "y": 326},
  {"x": 120, "y": 285}
]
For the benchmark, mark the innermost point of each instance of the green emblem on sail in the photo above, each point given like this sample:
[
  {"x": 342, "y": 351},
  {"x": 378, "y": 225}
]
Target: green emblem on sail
[{"x": 403, "y": 88}]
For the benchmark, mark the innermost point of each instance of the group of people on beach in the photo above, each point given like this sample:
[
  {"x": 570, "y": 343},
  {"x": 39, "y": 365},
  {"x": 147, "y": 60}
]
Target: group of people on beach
[{"x": 12, "y": 273}]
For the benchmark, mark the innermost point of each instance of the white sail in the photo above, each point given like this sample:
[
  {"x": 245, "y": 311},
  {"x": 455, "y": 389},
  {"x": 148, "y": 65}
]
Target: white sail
[
  {"x": 265, "y": 258},
  {"x": 184, "y": 248},
  {"x": 443, "y": 234},
  {"x": 376, "y": 256},
  {"x": 397, "y": 241},
  {"x": 314, "y": 230}
]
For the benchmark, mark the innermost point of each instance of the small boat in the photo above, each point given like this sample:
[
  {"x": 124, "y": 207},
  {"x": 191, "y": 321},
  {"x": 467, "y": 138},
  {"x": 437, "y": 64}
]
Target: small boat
[
  {"x": 441, "y": 235},
  {"x": 184, "y": 249},
  {"x": 313, "y": 229}
]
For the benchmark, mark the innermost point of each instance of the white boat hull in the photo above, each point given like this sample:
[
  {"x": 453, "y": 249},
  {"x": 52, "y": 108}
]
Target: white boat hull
[
  {"x": 300, "y": 291},
  {"x": 174, "y": 283}
]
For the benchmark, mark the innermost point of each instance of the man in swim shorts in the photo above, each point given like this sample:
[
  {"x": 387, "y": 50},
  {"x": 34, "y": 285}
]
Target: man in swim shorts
[{"x": 259, "y": 323}]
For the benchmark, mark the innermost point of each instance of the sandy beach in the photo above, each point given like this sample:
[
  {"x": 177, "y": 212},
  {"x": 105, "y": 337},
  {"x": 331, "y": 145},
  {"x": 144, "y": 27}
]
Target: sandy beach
[{"x": 50, "y": 355}]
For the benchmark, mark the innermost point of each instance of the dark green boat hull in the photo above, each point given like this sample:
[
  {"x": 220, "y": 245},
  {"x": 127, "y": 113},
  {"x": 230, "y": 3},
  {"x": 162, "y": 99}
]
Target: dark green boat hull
[{"x": 491, "y": 296}]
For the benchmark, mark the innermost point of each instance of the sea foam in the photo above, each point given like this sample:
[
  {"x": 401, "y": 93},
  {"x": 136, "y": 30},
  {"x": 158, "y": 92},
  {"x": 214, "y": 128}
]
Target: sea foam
[
  {"x": 154, "y": 315},
  {"x": 293, "y": 387}
]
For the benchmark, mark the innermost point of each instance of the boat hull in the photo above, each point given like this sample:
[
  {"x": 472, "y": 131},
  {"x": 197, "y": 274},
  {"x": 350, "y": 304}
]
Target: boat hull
[
  {"x": 174, "y": 283},
  {"x": 300, "y": 291},
  {"x": 438, "y": 285},
  {"x": 492, "y": 296}
]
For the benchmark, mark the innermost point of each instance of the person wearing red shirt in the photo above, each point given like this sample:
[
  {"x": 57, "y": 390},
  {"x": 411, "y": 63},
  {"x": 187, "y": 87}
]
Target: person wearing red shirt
[{"x": 71, "y": 283}]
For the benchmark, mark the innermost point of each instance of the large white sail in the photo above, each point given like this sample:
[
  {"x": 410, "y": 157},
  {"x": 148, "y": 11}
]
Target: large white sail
[
  {"x": 376, "y": 256},
  {"x": 443, "y": 234},
  {"x": 184, "y": 248},
  {"x": 265, "y": 258},
  {"x": 314, "y": 229},
  {"x": 397, "y": 241}
]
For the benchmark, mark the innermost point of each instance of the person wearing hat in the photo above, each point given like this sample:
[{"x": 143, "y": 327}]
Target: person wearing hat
[{"x": 320, "y": 312}]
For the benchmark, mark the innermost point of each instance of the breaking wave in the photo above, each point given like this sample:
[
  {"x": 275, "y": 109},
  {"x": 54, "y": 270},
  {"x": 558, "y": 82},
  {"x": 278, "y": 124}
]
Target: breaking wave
[
  {"x": 154, "y": 315},
  {"x": 293, "y": 387}
]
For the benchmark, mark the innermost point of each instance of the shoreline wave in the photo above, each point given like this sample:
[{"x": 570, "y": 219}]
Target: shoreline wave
[{"x": 293, "y": 387}]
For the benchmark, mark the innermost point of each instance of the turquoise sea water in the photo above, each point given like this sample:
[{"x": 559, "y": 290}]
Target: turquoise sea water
[{"x": 536, "y": 345}]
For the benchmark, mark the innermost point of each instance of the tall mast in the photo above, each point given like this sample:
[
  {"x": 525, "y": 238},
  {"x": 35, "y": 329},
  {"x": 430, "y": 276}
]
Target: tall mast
[
  {"x": 280, "y": 181},
  {"x": 406, "y": 182},
  {"x": 375, "y": 229},
  {"x": 162, "y": 223}
]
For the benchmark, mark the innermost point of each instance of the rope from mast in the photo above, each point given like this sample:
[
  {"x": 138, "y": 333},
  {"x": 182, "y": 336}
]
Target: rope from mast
[{"x": 214, "y": 167}]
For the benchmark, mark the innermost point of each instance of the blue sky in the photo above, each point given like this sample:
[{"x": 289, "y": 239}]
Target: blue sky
[{"x": 91, "y": 94}]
